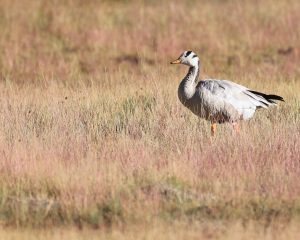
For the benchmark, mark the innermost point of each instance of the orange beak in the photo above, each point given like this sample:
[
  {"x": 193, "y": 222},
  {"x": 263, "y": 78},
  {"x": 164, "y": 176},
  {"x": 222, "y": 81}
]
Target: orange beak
[{"x": 176, "y": 61}]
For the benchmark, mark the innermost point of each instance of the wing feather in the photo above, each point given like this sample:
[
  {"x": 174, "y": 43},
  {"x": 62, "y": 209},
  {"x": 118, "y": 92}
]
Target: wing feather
[{"x": 226, "y": 94}]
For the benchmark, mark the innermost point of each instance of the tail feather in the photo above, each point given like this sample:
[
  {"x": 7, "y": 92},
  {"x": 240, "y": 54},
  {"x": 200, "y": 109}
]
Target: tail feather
[{"x": 269, "y": 98}]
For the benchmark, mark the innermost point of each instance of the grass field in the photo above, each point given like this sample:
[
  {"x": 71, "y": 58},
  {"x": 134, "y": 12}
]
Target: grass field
[{"x": 94, "y": 142}]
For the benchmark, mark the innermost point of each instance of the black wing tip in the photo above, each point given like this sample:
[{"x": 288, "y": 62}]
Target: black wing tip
[
  {"x": 269, "y": 98},
  {"x": 276, "y": 97}
]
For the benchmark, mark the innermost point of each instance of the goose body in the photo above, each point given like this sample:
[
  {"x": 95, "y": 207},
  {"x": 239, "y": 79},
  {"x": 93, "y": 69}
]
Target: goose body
[{"x": 218, "y": 101}]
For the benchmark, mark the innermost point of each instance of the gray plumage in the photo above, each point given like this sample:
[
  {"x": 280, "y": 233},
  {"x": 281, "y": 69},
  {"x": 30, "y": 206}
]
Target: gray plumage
[{"x": 215, "y": 100}]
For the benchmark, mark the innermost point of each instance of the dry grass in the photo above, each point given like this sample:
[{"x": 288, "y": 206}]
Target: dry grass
[
  {"x": 161, "y": 230},
  {"x": 92, "y": 134}
]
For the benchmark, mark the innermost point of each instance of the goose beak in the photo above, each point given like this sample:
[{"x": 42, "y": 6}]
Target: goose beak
[{"x": 176, "y": 61}]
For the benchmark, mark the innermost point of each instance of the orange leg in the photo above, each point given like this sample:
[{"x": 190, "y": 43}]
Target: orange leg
[
  {"x": 236, "y": 127},
  {"x": 213, "y": 128}
]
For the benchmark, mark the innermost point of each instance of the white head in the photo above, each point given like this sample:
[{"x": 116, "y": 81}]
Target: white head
[{"x": 188, "y": 58}]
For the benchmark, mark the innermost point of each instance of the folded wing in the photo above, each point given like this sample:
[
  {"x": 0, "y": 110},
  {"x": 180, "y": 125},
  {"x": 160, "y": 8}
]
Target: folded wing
[{"x": 223, "y": 94}]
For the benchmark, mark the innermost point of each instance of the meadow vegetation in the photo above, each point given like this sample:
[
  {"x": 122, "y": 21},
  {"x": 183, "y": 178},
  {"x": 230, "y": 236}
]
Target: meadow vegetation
[{"x": 95, "y": 143}]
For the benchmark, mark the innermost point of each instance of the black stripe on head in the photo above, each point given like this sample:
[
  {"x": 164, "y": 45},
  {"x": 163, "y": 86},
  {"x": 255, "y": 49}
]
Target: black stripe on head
[
  {"x": 194, "y": 56},
  {"x": 188, "y": 53}
]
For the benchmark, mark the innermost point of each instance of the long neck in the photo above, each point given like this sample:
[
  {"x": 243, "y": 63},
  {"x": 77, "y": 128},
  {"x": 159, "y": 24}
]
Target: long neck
[{"x": 187, "y": 86}]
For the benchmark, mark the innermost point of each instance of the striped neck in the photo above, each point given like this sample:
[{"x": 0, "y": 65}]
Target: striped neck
[{"x": 187, "y": 87}]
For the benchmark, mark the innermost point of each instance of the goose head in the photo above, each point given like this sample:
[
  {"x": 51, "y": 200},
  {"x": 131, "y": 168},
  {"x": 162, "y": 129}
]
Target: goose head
[{"x": 188, "y": 58}]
